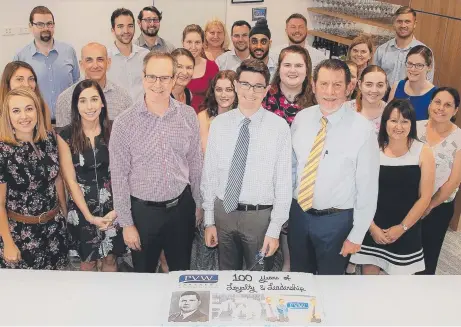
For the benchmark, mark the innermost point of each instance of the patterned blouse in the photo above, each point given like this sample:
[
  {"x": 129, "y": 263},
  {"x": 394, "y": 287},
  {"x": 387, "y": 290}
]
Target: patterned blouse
[{"x": 276, "y": 102}]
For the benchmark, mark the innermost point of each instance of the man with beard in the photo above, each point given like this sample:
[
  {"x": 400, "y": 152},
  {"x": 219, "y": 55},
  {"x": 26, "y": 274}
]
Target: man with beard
[
  {"x": 127, "y": 58},
  {"x": 94, "y": 63},
  {"x": 54, "y": 62},
  {"x": 232, "y": 59},
  {"x": 296, "y": 29},
  {"x": 391, "y": 56},
  {"x": 149, "y": 19},
  {"x": 260, "y": 43}
]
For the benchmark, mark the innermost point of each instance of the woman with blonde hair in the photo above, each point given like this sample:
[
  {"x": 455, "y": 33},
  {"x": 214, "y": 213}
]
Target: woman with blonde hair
[
  {"x": 361, "y": 52},
  {"x": 216, "y": 39},
  {"x": 17, "y": 74},
  {"x": 32, "y": 205}
]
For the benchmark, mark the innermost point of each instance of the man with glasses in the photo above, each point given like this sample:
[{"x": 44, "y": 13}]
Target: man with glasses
[
  {"x": 231, "y": 60},
  {"x": 296, "y": 29},
  {"x": 391, "y": 56},
  {"x": 54, "y": 62},
  {"x": 149, "y": 19},
  {"x": 260, "y": 43},
  {"x": 156, "y": 163},
  {"x": 127, "y": 58},
  {"x": 246, "y": 179}
]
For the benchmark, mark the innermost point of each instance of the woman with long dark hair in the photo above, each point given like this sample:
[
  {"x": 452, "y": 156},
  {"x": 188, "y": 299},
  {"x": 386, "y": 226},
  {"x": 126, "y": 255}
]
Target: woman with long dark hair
[
  {"x": 444, "y": 137},
  {"x": 291, "y": 89},
  {"x": 20, "y": 73},
  {"x": 84, "y": 159},
  {"x": 406, "y": 182}
]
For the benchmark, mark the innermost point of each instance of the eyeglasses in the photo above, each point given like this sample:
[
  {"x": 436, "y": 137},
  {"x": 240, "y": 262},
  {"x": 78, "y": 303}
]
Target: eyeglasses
[
  {"x": 162, "y": 79},
  {"x": 41, "y": 25},
  {"x": 417, "y": 66},
  {"x": 151, "y": 20},
  {"x": 258, "y": 88}
]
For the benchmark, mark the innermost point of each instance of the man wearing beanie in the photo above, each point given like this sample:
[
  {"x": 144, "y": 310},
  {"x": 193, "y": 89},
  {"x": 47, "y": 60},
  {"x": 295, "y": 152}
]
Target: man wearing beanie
[{"x": 260, "y": 43}]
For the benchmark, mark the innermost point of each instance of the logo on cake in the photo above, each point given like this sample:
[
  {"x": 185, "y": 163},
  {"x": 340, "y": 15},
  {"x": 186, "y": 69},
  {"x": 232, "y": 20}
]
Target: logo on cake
[
  {"x": 198, "y": 281},
  {"x": 298, "y": 305}
]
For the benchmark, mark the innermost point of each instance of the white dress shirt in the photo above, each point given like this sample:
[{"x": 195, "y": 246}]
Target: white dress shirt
[
  {"x": 267, "y": 179},
  {"x": 229, "y": 61},
  {"x": 317, "y": 56},
  {"x": 128, "y": 71},
  {"x": 347, "y": 176}
]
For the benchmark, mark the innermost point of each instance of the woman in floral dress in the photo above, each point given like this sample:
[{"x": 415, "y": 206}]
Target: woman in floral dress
[
  {"x": 84, "y": 158},
  {"x": 32, "y": 225},
  {"x": 290, "y": 92}
]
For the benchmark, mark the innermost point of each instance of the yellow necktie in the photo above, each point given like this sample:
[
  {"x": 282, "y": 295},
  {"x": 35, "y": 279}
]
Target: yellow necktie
[{"x": 306, "y": 187}]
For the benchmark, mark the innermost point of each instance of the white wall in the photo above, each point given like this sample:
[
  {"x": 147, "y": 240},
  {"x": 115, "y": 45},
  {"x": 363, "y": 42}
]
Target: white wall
[{"x": 81, "y": 21}]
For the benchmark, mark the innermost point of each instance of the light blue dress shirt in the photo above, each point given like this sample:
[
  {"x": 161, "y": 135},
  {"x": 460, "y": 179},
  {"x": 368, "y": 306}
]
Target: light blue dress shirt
[
  {"x": 347, "y": 176},
  {"x": 392, "y": 59},
  {"x": 55, "y": 72}
]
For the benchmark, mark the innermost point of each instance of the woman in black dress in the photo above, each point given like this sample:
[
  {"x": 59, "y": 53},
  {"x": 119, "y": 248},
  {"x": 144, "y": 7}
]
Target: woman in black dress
[
  {"x": 406, "y": 183},
  {"x": 84, "y": 158},
  {"x": 32, "y": 225}
]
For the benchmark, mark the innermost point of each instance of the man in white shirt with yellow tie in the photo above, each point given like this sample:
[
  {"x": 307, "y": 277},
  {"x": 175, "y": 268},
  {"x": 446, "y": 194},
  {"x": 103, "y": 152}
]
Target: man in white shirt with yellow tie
[{"x": 335, "y": 176}]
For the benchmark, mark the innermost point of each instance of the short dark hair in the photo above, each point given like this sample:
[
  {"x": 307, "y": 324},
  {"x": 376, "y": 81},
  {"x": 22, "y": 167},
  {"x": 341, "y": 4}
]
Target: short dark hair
[
  {"x": 254, "y": 66},
  {"x": 40, "y": 10},
  {"x": 404, "y": 10},
  {"x": 190, "y": 293},
  {"x": 151, "y": 9},
  {"x": 333, "y": 64},
  {"x": 297, "y": 15},
  {"x": 453, "y": 92},
  {"x": 240, "y": 23},
  {"x": 120, "y": 12},
  {"x": 407, "y": 111}
]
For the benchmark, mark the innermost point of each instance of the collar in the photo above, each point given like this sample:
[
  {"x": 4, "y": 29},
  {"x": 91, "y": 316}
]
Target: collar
[
  {"x": 256, "y": 118},
  {"x": 108, "y": 87},
  {"x": 142, "y": 41},
  {"x": 115, "y": 50},
  {"x": 335, "y": 117},
  {"x": 34, "y": 50},
  {"x": 271, "y": 62},
  {"x": 185, "y": 315},
  {"x": 232, "y": 53},
  {"x": 412, "y": 44},
  {"x": 172, "y": 108}
]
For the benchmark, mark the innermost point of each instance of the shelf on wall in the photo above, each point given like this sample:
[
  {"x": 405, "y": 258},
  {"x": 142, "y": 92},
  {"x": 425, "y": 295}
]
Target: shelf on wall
[
  {"x": 351, "y": 18},
  {"x": 331, "y": 37}
]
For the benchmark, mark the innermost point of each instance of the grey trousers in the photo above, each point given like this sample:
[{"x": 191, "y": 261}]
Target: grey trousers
[{"x": 241, "y": 236}]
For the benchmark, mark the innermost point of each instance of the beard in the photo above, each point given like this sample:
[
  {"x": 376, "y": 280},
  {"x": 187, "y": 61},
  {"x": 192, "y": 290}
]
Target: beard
[
  {"x": 265, "y": 54},
  {"x": 150, "y": 34},
  {"x": 293, "y": 41},
  {"x": 45, "y": 36},
  {"x": 120, "y": 39},
  {"x": 242, "y": 48}
]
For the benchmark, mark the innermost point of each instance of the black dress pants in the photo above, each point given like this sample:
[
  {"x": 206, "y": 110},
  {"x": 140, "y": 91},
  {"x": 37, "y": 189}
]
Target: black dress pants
[
  {"x": 434, "y": 228},
  {"x": 171, "y": 229}
]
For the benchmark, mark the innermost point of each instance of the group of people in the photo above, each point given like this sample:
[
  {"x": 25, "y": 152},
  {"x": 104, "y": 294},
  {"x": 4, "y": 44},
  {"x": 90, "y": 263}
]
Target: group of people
[{"x": 202, "y": 157}]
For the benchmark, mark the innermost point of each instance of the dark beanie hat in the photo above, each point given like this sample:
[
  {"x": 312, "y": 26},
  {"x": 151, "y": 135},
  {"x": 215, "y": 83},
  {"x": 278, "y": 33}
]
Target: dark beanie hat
[{"x": 261, "y": 28}]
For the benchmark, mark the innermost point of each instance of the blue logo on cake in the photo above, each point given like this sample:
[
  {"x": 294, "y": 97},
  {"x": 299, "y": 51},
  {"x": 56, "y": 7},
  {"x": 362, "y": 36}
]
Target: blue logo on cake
[
  {"x": 298, "y": 305},
  {"x": 198, "y": 279}
]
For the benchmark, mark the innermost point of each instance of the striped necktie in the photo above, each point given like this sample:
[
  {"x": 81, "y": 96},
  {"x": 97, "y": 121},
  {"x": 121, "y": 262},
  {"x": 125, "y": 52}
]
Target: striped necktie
[
  {"x": 237, "y": 169},
  {"x": 306, "y": 187}
]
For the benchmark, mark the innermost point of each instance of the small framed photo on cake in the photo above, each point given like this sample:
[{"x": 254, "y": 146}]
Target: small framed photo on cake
[
  {"x": 246, "y": 1},
  {"x": 258, "y": 13}
]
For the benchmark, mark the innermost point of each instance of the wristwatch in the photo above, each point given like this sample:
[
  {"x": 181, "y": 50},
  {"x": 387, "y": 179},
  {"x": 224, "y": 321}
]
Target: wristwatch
[{"x": 405, "y": 227}]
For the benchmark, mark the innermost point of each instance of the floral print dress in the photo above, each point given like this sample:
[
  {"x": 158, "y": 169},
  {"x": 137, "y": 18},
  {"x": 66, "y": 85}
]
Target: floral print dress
[
  {"x": 30, "y": 177},
  {"x": 276, "y": 102},
  {"x": 93, "y": 177}
]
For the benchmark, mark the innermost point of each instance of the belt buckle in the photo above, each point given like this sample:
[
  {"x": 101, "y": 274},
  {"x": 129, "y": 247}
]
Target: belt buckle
[
  {"x": 40, "y": 218},
  {"x": 172, "y": 204}
]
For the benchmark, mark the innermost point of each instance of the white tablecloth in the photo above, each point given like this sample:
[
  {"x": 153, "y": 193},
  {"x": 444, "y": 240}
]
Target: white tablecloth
[{"x": 87, "y": 298}]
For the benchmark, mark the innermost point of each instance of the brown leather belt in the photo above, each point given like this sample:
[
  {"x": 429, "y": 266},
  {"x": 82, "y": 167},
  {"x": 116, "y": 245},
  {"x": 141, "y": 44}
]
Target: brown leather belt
[{"x": 42, "y": 219}]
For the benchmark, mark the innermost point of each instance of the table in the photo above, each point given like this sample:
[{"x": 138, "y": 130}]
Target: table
[{"x": 87, "y": 298}]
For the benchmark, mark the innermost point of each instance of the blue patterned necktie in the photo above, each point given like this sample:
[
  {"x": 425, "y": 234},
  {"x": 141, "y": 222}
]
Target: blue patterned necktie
[{"x": 237, "y": 169}]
